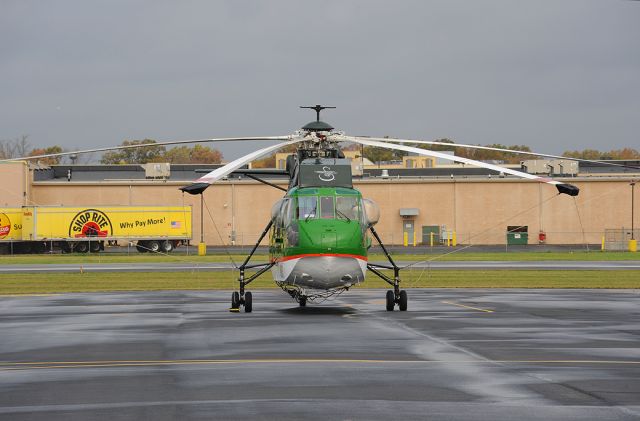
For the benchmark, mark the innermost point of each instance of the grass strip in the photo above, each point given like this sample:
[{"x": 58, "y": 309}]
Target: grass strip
[
  {"x": 216, "y": 258},
  {"x": 15, "y": 284}
]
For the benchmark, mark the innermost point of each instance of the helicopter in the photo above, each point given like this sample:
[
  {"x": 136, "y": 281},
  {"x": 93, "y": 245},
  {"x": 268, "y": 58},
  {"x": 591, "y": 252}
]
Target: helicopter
[
  {"x": 318, "y": 239},
  {"x": 319, "y": 230}
]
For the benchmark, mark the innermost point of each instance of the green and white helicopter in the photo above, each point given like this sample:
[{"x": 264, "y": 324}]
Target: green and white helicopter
[{"x": 319, "y": 231}]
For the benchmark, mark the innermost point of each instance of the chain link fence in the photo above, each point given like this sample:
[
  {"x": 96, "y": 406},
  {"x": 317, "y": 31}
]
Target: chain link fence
[{"x": 617, "y": 239}]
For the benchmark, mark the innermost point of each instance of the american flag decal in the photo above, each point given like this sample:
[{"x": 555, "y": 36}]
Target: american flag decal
[{"x": 175, "y": 224}]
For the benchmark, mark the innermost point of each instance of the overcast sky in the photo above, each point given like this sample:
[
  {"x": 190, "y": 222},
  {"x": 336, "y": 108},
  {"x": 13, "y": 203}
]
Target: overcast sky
[{"x": 554, "y": 75}]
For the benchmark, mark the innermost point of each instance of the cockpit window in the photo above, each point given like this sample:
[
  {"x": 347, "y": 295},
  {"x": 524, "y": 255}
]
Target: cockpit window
[
  {"x": 347, "y": 207},
  {"x": 307, "y": 207},
  {"x": 326, "y": 207}
]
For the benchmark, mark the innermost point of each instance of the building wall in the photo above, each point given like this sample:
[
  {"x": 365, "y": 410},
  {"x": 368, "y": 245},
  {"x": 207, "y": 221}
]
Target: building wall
[
  {"x": 479, "y": 211},
  {"x": 14, "y": 184}
]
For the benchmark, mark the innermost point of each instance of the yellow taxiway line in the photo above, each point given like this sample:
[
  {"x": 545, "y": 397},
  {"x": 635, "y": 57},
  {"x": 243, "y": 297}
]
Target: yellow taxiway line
[{"x": 469, "y": 307}]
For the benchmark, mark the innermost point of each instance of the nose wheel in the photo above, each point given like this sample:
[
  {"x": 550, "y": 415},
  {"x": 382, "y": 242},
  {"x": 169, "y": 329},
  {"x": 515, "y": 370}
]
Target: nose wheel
[
  {"x": 400, "y": 298},
  {"x": 237, "y": 300}
]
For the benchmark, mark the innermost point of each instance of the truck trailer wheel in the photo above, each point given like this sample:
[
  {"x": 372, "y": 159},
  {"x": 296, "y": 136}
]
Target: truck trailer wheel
[
  {"x": 153, "y": 246},
  {"x": 167, "y": 246},
  {"x": 94, "y": 246},
  {"x": 65, "y": 247},
  {"x": 81, "y": 247},
  {"x": 39, "y": 247},
  {"x": 141, "y": 246}
]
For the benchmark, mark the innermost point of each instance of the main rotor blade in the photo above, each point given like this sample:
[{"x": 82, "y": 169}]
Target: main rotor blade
[
  {"x": 205, "y": 181},
  {"x": 562, "y": 187},
  {"x": 489, "y": 148},
  {"x": 145, "y": 145}
]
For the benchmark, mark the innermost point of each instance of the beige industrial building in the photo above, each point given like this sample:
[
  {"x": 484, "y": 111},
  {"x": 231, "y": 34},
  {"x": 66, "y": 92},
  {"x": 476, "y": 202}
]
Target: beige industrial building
[{"x": 477, "y": 209}]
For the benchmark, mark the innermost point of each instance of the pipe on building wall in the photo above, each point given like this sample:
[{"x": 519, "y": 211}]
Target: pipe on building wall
[{"x": 233, "y": 214}]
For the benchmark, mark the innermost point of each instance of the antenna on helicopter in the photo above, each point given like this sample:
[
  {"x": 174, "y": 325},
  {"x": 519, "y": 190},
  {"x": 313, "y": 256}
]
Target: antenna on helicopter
[
  {"x": 317, "y": 126},
  {"x": 317, "y": 108}
]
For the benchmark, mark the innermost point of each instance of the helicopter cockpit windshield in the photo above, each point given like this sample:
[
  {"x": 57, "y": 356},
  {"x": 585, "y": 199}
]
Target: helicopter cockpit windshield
[
  {"x": 345, "y": 208},
  {"x": 307, "y": 207}
]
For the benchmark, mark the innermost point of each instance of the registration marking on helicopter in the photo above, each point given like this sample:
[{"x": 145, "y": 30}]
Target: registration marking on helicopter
[
  {"x": 44, "y": 365},
  {"x": 469, "y": 307}
]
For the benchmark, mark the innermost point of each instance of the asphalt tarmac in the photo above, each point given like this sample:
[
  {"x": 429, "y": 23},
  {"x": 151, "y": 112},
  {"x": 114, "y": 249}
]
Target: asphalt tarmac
[
  {"x": 225, "y": 266},
  {"x": 456, "y": 354}
]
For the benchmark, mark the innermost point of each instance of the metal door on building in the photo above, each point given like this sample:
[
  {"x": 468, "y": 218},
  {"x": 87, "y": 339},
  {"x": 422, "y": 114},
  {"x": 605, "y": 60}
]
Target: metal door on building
[{"x": 408, "y": 232}]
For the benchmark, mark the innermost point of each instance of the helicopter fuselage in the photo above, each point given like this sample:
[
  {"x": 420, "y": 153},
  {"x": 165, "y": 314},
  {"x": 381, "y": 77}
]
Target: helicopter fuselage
[
  {"x": 318, "y": 230},
  {"x": 318, "y": 239}
]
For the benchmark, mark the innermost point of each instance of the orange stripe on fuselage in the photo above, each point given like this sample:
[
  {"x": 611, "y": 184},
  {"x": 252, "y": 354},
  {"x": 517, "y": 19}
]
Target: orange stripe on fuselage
[{"x": 298, "y": 256}]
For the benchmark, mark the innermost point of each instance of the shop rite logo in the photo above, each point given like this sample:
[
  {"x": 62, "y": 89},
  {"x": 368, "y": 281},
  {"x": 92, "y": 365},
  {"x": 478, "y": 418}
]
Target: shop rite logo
[
  {"x": 5, "y": 225},
  {"x": 90, "y": 223}
]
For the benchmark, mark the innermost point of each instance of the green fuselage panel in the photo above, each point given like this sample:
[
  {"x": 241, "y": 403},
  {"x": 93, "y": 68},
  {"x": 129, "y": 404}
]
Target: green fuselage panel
[{"x": 314, "y": 221}]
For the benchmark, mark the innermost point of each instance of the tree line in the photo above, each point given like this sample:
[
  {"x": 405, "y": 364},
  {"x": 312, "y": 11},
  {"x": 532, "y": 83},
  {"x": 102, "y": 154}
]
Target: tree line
[
  {"x": 381, "y": 155},
  {"x": 198, "y": 154},
  {"x": 378, "y": 155}
]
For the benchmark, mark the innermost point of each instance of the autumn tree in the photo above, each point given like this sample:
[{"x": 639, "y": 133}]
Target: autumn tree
[
  {"x": 196, "y": 155},
  {"x": 584, "y": 154},
  {"x": 438, "y": 148},
  {"x": 178, "y": 155},
  {"x": 377, "y": 155},
  {"x": 205, "y": 155},
  {"x": 492, "y": 155},
  {"x": 592, "y": 154},
  {"x": 270, "y": 161},
  {"x": 138, "y": 155},
  {"x": 52, "y": 160}
]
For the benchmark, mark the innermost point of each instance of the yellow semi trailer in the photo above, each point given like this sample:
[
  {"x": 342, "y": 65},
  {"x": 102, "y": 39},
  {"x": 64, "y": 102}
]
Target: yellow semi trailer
[{"x": 82, "y": 229}]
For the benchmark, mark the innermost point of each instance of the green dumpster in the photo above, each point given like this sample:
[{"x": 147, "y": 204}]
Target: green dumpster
[{"x": 517, "y": 235}]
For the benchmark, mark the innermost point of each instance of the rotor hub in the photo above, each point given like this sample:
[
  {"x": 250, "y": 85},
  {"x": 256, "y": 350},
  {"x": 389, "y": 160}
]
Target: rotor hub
[{"x": 317, "y": 126}]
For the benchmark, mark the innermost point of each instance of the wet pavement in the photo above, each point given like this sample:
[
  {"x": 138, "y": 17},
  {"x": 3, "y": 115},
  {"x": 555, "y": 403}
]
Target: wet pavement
[{"x": 456, "y": 354}]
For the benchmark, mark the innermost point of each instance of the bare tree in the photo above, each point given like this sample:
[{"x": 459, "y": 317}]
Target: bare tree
[
  {"x": 15, "y": 148},
  {"x": 22, "y": 146}
]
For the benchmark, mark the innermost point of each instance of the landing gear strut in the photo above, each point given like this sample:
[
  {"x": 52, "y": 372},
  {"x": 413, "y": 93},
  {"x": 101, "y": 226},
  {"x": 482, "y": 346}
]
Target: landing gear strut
[
  {"x": 397, "y": 296},
  {"x": 242, "y": 297}
]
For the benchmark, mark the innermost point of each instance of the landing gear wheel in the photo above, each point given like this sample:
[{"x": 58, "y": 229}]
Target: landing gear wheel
[
  {"x": 248, "y": 302},
  {"x": 391, "y": 300},
  {"x": 235, "y": 300},
  {"x": 403, "y": 300},
  {"x": 302, "y": 301}
]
